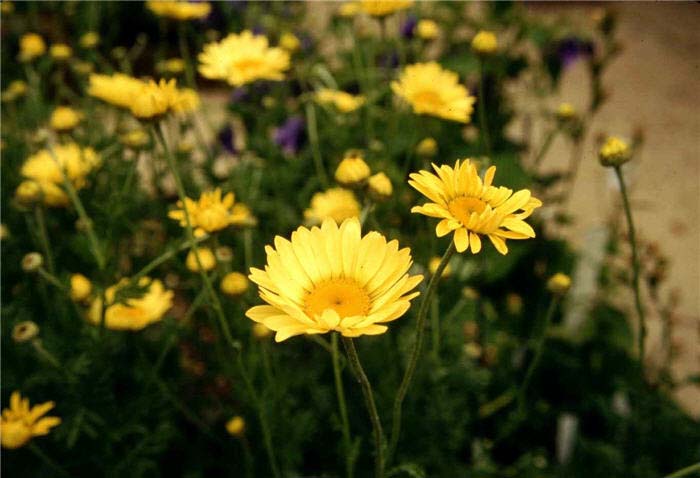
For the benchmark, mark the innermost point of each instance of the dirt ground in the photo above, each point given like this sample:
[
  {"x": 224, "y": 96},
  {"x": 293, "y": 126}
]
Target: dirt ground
[{"x": 654, "y": 84}]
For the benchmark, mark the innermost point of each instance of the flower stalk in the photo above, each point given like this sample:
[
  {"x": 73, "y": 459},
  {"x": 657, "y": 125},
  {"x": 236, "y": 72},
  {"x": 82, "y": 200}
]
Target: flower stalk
[
  {"x": 415, "y": 353},
  {"x": 483, "y": 123},
  {"x": 342, "y": 407}
]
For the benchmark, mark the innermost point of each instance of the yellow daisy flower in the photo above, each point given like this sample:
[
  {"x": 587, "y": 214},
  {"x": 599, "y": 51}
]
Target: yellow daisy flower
[
  {"x": 80, "y": 287},
  {"x": 485, "y": 43},
  {"x": 19, "y": 423},
  {"x": 471, "y": 207},
  {"x": 380, "y": 8},
  {"x": 118, "y": 89},
  {"x": 335, "y": 203},
  {"x": 60, "y": 51},
  {"x": 243, "y": 58},
  {"x": 333, "y": 279},
  {"x": 179, "y": 10},
  {"x": 211, "y": 212},
  {"x": 64, "y": 118},
  {"x": 133, "y": 313},
  {"x": 614, "y": 152},
  {"x": 427, "y": 29},
  {"x": 379, "y": 186},
  {"x": 48, "y": 171},
  {"x": 434, "y": 91},
  {"x": 342, "y": 101},
  {"x": 31, "y": 46},
  {"x": 352, "y": 170}
]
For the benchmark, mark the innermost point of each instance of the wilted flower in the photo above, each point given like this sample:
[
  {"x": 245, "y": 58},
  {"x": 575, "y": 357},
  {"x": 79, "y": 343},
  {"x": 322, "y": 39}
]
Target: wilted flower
[
  {"x": 211, "y": 212},
  {"x": 31, "y": 46},
  {"x": 333, "y": 279},
  {"x": 352, "y": 170},
  {"x": 89, "y": 40},
  {"x": 559, "y": 284},
  {"x": 379, "y": 186},
  {"x": 19, "y": 423},
  {"x": 60, "y": 51},
  {"x": 290, "y": 135},
  {"x": 179, "y": 10},
  {"x": 427, "y": 147},
  {"x": 133, "y": 311},
  {"x": 434, "y": 91},
  {"x": 207, "y": 259},
  {"x": 427, "y": 29},
  {"x": 236, "y": 426},
  {"x": 80, "y": 287},
  {"x": 342, "y": 101},
  {"x": 614, "y": 152},
  {"x": 234, "y": 284},
  {"x": 380, "y": 8},
  {"x": 25, "y": 331},
  {"x": 335, "y": 203},
  {"x": 243, "y": 58},
  {"x": 47, "y": 169},
  {"x": 472, "y": 207},
  {"x": 485, "y": 43},
  {"x": 64, "y": 118}
]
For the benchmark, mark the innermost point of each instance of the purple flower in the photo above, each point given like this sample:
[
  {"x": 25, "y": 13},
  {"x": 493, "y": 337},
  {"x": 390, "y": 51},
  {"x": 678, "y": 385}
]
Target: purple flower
[
  {"x": 226, "y": 139},
  {"x": 569, "y": 50},
  {"x": 290, "y": 135},
  {"x": 408, "y": 27}
]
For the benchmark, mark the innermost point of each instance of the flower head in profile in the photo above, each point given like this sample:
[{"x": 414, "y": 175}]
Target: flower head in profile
[
  {"x": 333, "y": 279},
  {"x": 381, "y": 8},
  {"x": 179, "y": 10},
  {"x": 117, "y": 89},
  {"x": 243, "y": 58},
  {"x": 340, "y": 100},
  {"x": 471, "y": 207},
  {"x": 31, "y": 46},
  {"x": 352, "y": 170},
  {"x": 427, "y": 29},
  {"x": 211, "y": 212},
  {"x": 20, "y": 423},
  {"x": 337, "y": 204},
  {"x": 614, "y": 152},
  {"x": 132, "y": 308},
  {"x": 64, "y": 118},
  {"x": 379, "y": 187},
  {"x": 60, "y": 51},
  {"x": 485, "y": 43},
  {"x": 434, "y": 91},
  {"x": 46, "y": 168}
]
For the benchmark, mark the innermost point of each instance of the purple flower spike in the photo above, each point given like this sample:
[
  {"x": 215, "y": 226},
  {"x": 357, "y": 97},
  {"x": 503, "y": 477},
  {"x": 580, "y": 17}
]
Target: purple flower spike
[{"x": 290, "y": 135}]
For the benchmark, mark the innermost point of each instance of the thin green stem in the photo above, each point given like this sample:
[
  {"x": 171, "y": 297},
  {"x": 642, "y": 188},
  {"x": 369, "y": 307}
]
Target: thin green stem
[
  {"x": 312, "y": 128},
  {"x": 539, "y": 348},
  {"x": 51, "y": 279},
  {"x": 216, "y": 303},
  {"x": 342, "y": 407},
  {"x": 44, "y": 237},
  {"x": 548, "y": 140},
  {"x": 435, "y": 326},
  {"x": 685, "y": 471},
  {"x": 185, "y": 54},
  {"x": 635, "y": 268},
  {"x": 164, "y": 257},
  {"x": 415, "y": 353},
  {"x": 359, "y": 372},
  {"x": 483, "y": 123}
]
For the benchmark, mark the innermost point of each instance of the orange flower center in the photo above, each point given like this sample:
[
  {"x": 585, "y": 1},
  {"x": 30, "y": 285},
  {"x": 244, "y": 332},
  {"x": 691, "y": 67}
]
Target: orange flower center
[
  {"x": 345, "y": 296},
  {"x": 249, "y": 65},
  {"x": 462, "y": 207},
  {"x": 428, "y": 99}
]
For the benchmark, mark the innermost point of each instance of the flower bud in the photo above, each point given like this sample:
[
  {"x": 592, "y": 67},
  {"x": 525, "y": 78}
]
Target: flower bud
[
  {"x": 614, "y": 152},
  {"x": 236, "y": 426},
  {"x": 559, "y": 284},
  {"x": 60, "y": 51},
  {"x": 89, "y": 40},
  {"x": 32, "y": 262},
  {"x": 427, "y": 29},
  {"x": 485, "y": 43},
  {"x": 566, "y": 112},
  {"x": 80, "y": 287},
  {"x": 289, "y": 42},
  {"x": 25, "y": 331},
  {"x": 234, "y": 284},
  {"x": 380, "y": 187},
  {"x": 28, "y": 193},
  {"x": 352, "y": 170},
  {"x": 206, "y": 258},
  {"x": 427, "y": 147}
]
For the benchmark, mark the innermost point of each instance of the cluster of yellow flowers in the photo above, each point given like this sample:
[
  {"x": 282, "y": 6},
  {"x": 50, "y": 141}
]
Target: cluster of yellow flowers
[
  {"x": 46, "y": 170},
  {"x": 145, "y": 99},
  {"x": 243, "y": 58}
]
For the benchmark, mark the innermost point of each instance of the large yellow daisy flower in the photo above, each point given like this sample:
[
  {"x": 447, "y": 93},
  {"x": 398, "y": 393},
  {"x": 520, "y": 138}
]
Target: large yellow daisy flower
[
  {"x": 333, "y": 279},
  {"x": 434, "y": 91},
  {"x": 212, "y": 212},
  {"x": 243, "y": 58},
  {"x": 472, "y": 207}
]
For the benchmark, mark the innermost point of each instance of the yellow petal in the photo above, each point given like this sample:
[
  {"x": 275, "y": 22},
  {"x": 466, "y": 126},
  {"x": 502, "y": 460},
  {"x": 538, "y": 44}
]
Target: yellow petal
[{"x": 461, "y": 239}]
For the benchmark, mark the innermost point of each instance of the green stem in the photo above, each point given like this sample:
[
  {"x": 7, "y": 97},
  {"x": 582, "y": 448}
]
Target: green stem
[
  {"x": 635, "y": 268},
  {"x": 185, "y": 54},
  {"x": 167, "y": 255},
  {"x": 51, "y": 279},
  {"x": 539, "y": 348},
  {"x": 158, "y": 131},
  {"x": 312, "y": 127},
  {"x": 435, "y": 326},
  {"x": 684, "y": 471},
  {"x": 544, "y": 148},
  {"x": 44, "y": 237},
  {"x": 262, "y": 416},
  {"x": 359, "y": 372},
  {"x": 45, "y": 458},
  {"x": 415, "y": 353},
  {"x": 483, "y": 123},
  {"x": 248, "y": 248},
  {"x": 342, "y": 407}
]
